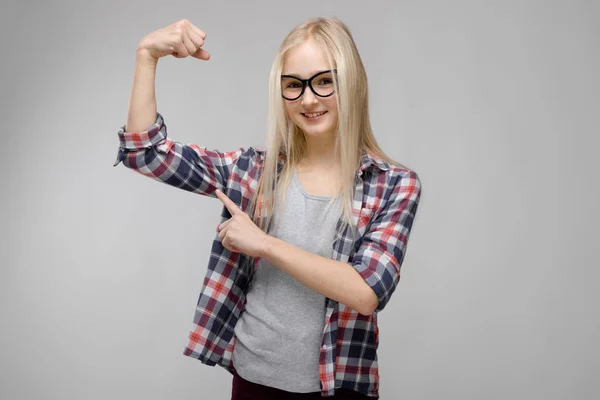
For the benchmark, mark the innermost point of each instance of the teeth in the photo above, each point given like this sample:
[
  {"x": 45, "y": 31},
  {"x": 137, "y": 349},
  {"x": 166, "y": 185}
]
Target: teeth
[{"x": 314, "y": 114}]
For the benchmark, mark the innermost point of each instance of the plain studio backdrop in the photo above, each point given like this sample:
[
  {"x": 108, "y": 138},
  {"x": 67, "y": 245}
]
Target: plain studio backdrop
[{"x": 494, "y": 104}]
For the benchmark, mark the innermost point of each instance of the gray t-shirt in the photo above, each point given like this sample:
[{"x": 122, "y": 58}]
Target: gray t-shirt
[{"x": 279, "y": 333}]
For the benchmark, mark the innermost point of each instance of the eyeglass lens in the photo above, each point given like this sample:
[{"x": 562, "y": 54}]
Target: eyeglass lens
[{"x": 321, "y": 84}]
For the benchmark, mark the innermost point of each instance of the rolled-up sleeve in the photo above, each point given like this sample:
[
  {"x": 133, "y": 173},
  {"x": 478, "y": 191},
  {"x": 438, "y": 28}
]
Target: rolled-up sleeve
[
  {"x": 383, "y": 246},
  {"x": 187, "y": 166}
]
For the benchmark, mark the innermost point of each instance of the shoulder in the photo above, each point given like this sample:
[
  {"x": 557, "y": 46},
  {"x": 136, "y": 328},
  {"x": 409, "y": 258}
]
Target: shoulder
[
  {"x": 394, "y": 173},
  {"x": 400, "y": 175},
  {"x": 395, "y": 180},
  {"x": 249, "y": 157},
  {"x": 255, "y": 155}
]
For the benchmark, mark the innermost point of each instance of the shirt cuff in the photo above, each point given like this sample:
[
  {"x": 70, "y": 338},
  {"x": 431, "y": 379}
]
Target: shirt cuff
[
  {"x": 129, "y": 141},
  {"x": 152, "y": 136}
]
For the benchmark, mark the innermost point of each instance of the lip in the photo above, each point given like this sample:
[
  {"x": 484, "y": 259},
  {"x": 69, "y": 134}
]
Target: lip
[{"x": 314, "y": 118}]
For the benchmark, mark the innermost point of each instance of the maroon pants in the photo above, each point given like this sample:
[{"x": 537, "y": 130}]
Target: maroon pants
[{"x": 245, "y": 390}]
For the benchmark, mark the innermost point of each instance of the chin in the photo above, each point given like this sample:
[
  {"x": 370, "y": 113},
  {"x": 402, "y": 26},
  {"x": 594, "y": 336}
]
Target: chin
[
  {"x": 312, "y": 131},
  {"x": 316, "y": 130}
]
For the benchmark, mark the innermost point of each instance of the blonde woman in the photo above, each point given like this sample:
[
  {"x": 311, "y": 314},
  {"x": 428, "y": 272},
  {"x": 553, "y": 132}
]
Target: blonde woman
[{"x": 314, "y": 227}]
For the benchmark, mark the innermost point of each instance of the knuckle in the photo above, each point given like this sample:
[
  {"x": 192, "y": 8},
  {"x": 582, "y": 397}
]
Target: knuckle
[{"x": 179, "y": 28}]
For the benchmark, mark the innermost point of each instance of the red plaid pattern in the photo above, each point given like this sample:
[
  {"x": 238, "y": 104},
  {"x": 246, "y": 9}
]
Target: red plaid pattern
[{"x": 385, "y": 203}]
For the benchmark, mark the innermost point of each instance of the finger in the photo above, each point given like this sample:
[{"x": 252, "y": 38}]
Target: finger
[
  {"x": 223, "y": 234},
  {"x": 189, "y": 45},
  {"x": 200, "y": 31},
  {"x": 180, "y": 50},
  {"x": 201, "y": 54},
  {"x": 195, "y": 37},
  {"x": 230, "y": 205},
  {"x": 222, "y": 226},
  {"x": 227, "y": 244}
]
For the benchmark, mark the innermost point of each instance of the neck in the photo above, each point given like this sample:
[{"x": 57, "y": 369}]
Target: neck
[{"x": 320, "y": 152}]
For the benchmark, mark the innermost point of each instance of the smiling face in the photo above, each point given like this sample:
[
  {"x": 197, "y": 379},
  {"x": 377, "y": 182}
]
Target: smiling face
[{"x": 314, "y": 115}]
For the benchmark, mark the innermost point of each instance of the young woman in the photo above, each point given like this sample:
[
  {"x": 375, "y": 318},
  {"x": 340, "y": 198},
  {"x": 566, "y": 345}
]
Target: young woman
[{"x": 314, "y": 228}]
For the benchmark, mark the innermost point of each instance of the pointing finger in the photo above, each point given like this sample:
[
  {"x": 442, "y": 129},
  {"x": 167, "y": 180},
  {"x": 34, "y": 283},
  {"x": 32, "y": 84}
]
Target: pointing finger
[
  {"x": 230, "y": 205},
  {"x": 223, "y": 225}
]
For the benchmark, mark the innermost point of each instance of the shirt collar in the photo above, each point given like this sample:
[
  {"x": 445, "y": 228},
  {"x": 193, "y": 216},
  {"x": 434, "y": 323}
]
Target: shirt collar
[{"x": 370, "y": 160}]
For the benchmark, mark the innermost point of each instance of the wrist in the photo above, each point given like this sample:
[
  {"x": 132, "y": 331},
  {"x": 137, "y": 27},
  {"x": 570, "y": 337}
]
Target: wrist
[
  {"x": 267, "y": 245},
  {"x": 143, "y": 56}
]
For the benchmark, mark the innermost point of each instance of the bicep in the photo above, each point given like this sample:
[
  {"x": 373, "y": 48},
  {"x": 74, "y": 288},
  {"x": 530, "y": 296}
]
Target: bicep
[{"x": 186, "y": 166}]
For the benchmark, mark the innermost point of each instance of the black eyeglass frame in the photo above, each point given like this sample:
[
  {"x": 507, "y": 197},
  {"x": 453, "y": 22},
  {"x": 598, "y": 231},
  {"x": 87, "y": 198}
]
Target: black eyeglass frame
[{"x": 308, "y": 82}]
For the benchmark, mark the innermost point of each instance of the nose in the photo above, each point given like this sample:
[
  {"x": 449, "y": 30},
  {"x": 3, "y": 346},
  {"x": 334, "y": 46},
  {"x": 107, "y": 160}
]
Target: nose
[{"x": 308, "y": 97}]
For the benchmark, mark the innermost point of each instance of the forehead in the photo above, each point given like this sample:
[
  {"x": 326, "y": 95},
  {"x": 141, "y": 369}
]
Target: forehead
[{"x": 305, "y": 60}]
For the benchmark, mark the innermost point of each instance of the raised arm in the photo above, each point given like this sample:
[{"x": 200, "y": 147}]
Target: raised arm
[{"x": 143, "y": 143}]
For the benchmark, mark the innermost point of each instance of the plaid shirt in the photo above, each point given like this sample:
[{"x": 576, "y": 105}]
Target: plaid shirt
[{"x": 384, "y": 206}]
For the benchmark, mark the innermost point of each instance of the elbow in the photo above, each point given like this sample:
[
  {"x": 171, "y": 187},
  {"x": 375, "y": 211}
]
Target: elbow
[{"x": 368, "y": 303}]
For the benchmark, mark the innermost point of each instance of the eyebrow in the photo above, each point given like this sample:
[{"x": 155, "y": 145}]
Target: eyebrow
[{"x": 313, "y": 74}]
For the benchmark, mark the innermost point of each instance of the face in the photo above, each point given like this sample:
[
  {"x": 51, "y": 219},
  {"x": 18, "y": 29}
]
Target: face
[{"x": 316, "y": 116}]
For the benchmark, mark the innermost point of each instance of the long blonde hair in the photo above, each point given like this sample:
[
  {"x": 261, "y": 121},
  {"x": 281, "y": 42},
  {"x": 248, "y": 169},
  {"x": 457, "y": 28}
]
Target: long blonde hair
[{"x": 286, "y": 142}]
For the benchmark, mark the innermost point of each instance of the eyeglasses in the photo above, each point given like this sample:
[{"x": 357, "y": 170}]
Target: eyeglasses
[{"x": 321, "y": 84}]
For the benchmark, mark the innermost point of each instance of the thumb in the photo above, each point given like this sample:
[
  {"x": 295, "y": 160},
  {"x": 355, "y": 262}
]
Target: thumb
[{"x": 201, "y": 54}]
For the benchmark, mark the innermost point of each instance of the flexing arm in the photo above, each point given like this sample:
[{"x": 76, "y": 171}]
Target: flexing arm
[
  {"x": 142, "y": 103},
  {"x": 144, "y": 145}
]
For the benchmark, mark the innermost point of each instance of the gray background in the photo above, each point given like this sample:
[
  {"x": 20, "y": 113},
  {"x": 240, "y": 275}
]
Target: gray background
[{"x": 493, "y": 103}]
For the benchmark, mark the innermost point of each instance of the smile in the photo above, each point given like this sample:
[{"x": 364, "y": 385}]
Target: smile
[{"x": 313, "y": 116}]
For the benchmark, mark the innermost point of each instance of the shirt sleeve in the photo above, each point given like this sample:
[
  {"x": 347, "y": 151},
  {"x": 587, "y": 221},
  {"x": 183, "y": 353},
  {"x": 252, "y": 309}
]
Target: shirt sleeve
[
  {"x": 383, "y": 246},
  {"x": 186, "y": 166}
]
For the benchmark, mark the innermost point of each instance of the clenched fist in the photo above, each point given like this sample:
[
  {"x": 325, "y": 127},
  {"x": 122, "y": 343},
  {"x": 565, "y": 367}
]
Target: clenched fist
[{"x": 180, "y": 39}]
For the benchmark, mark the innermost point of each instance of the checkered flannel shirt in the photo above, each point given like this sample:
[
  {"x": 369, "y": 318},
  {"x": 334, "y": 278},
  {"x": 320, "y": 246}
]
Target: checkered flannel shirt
[{"x": 384, "y": 206}]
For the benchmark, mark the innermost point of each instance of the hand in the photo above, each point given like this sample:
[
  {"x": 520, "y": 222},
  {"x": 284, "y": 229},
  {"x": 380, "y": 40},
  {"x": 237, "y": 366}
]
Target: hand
[
  {"x": 239, "y": 233},
  {"x": 180, "y": 39}
]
